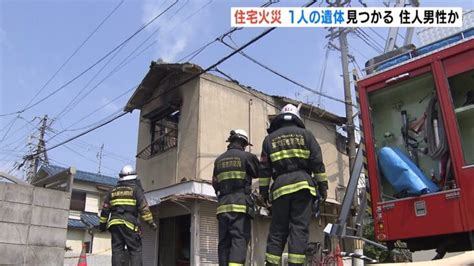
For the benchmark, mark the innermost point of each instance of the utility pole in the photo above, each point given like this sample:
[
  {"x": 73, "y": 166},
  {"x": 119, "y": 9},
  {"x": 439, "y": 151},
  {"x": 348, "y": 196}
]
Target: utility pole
[
  {"x": 347, "y": 95},
  {"x": 99, "y": 156},
  {"x": 344, "y": 49},
  {"x": 38, "y": 154}
]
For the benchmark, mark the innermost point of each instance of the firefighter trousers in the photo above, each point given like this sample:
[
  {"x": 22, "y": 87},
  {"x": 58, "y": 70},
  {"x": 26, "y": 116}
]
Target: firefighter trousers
[
  {"x": 234, "y": 235},
  {"x": 291, "y": 216},
  {"x": 123, "y": 237}
]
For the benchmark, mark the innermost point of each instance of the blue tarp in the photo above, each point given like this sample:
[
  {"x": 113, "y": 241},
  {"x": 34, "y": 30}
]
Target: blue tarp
[{"x": 403, "y": 174}]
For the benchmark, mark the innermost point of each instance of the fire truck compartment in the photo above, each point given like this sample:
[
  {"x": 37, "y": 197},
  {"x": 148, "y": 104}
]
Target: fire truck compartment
[{"x": 398, "y": 115}]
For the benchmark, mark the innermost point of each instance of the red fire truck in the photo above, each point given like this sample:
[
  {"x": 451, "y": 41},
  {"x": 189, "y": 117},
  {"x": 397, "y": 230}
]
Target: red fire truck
[{"x": 417, "y": 117}]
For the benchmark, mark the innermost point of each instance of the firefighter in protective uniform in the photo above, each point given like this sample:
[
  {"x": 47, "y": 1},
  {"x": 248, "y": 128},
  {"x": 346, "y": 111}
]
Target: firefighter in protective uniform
[
  {"x": 232, "y": 180},
  {"x": 292, "y": 156},
  {"x": 120, "y": 213}
]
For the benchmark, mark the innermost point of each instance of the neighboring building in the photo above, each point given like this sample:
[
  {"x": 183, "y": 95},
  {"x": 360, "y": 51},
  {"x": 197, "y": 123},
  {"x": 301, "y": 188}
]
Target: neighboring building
[
  {"x": 183, "y": 130},
  {"x": 87, "y": 196}
]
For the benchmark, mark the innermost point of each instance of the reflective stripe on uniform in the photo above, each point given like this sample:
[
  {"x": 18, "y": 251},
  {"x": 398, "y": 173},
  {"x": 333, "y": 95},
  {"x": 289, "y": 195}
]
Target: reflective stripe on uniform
[
  {"x": 231, "y": 175},
  {"x": 264, "y": 181},
  {"x": 274, "y": 259},
  {"x": 235, "y": 264},
  {"x": 293, "y": 188},
  {"x": 296, "y": 258},
  {"x": 291, "y": 153},
  {"x": 147, "y": 217},
  {"x": 103, "y": 219},
  {"x": 132, "y": 202},
  {"x": 121, "y": 221},
  {"x": 232, "y": 208},
  {"x": 321, "y": 177}
]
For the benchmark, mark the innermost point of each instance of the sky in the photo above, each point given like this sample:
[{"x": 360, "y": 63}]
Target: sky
[{"x": 37, "y": 37}]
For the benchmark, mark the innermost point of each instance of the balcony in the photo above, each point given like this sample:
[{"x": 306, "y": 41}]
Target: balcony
[{"x": 160, "y": 145}]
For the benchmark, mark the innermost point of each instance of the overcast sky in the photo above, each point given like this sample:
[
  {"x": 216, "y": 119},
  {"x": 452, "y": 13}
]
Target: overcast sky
[{"x": 37, "y": 37}]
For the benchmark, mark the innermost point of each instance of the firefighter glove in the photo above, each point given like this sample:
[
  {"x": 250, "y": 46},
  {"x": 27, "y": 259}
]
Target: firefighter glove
[
  {"x": 103, "y": 227},
  {"x": 323, "y": 190},
  {"x": 154, "y": 226}
]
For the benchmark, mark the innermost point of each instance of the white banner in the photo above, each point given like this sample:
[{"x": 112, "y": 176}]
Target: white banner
[{"x": 346, "y": 17}]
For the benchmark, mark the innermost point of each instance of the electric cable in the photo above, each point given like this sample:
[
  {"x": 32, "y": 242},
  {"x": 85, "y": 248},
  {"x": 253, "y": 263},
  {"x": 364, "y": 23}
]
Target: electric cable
[
  {"x": 199, "y": 50},
  {"x": 119, "y": 66},
  {"x": 222, "y": 60},
  {"x": 94, "y": 64},
  {"x": 285, "y": 77}
]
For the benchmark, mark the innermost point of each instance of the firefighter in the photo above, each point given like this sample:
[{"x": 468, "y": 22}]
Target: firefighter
[
  {"x": 232, "y": 180},
  {"x": 292, "y": 156},
  {"x": 120, "y": 213}
]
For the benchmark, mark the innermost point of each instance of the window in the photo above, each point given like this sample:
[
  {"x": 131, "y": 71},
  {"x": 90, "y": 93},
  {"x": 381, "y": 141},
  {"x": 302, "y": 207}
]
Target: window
[
  {"x": 78, "y": 201},
  {"x": 163, "y": 130},
  {"x": 164, "y": 133},
  {"x": 462, "y": 95}
]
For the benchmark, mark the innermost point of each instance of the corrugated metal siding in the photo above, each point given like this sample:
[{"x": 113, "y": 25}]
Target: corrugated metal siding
[
  {"x": 208, "y": 232},
  {"x": 149, "y": 248}
]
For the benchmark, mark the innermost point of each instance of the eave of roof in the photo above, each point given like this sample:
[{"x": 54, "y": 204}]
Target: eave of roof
[
  {"x": 159, "y": 71},
  {"x": 156, "y": 74},
  {"x": 82, "y": 175}
]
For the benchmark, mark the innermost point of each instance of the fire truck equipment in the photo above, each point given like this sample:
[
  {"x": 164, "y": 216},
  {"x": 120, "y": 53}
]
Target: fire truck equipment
[{"x": 403, "y": 174}]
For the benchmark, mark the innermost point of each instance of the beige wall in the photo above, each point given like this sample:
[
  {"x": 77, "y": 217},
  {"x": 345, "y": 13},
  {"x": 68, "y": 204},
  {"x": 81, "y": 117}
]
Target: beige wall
[
  {"x": 74, "y": 241},
  {"x": 210, "y": 110},
  {"x": 337, "y": 164},
  {"x": 160, "y": 171},
  {"x": 225, "y": 106},
  {"x": 102, "y": 244}
]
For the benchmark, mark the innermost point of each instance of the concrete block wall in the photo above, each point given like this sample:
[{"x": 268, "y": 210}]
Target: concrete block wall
[{"x": 33, "y": 225}]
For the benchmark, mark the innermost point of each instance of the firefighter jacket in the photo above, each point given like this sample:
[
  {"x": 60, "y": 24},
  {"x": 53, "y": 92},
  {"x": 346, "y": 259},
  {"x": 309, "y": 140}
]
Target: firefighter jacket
[
  {"x": 232, "y": 180},
  {"x": 292, "y": 157},
  {"x": 123, "y": 204}
]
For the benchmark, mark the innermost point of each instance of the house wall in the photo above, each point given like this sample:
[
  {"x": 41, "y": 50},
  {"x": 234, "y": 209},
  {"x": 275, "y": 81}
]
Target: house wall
[
  {"x": 225, "y": 106},
  {"x": 74, "y": 241},
  {"x": 160, "y": 171},
  {"x": 237, "y": 108},
  {"x": 337, "y": 164},
  {"x": 102, "y": 243}
]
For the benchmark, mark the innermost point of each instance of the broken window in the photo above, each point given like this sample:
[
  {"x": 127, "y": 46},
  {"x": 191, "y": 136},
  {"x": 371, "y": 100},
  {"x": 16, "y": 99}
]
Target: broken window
[
  {"x": 164, "y": 133},
  {"x": 163, "y": 130}
]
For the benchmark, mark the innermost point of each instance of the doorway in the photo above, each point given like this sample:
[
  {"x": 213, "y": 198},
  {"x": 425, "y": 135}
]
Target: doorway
[{"x": 175, "y": 241}]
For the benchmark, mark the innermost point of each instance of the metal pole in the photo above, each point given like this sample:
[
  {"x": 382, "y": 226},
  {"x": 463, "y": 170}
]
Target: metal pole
[
  {"x": 347, "y": 95},
  {"x": 391, "y": 42}
]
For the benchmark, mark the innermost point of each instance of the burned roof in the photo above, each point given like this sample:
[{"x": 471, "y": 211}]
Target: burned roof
[{"x": 159, "y": 71}]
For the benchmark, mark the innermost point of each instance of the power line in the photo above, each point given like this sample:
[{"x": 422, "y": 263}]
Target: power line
[
  {"x": 119, "y": 66},
  {"x": 66, "y": 62},
  {"x": 199, "y": 50},
  {"x": 76, "y": 51},
  {"x": 222, "y": 60},
  {"x": 285, "y": 77},
  {"x": 94, "y": 64},
  {"x": 92, "y": 113}
]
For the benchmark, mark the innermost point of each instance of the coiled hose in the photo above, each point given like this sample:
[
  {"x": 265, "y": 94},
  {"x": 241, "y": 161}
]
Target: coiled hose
[{"x": 434, "y": 112}]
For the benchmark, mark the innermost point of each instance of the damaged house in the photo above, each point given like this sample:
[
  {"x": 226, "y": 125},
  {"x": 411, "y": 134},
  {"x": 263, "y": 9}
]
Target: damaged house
[{"x": 183, "y": 130}]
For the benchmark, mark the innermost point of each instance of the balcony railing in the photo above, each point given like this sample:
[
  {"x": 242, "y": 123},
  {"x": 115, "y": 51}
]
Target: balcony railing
[{"x": 160, "y": 145}]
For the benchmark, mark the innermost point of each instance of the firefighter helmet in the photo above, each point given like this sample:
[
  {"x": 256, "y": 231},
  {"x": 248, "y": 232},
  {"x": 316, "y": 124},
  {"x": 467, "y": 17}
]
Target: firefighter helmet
[
  {"x": 239, "y": 134},
  {"x": 291, "y": 109},
  {"x": 127, "y": 173}
]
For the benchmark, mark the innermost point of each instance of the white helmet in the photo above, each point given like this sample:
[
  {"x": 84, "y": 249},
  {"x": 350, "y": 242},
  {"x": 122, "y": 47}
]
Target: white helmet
[
  {"x": 239, "y": 133},
  {"x": 291, "y": 109},
  {"x": 127, "y": 173}
]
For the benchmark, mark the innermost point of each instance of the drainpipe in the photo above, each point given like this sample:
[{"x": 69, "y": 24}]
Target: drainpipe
[{"x": 250, "y": 123}]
